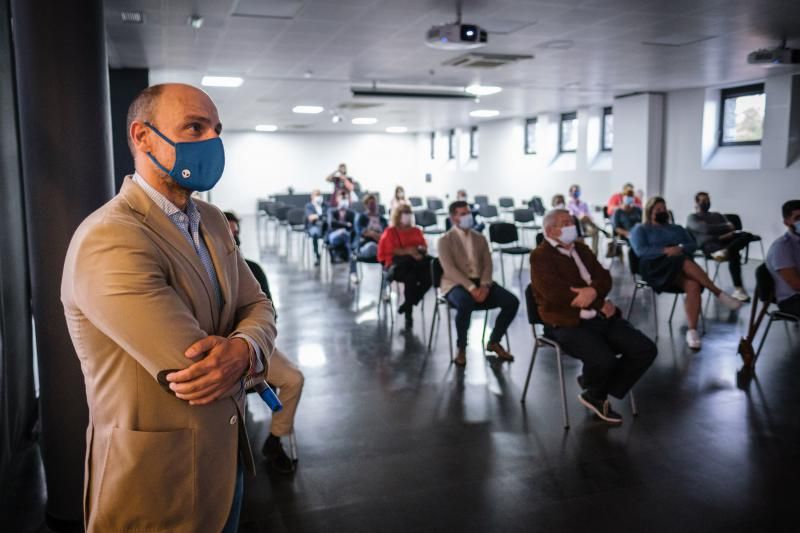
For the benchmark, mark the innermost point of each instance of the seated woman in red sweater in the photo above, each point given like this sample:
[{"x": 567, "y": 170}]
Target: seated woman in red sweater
[{"x": 403, "y": 245}]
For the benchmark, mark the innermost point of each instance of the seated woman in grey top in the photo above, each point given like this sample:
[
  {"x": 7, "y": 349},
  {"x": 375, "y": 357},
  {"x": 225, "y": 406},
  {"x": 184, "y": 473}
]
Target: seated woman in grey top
[{"x": 665, "y": 251}]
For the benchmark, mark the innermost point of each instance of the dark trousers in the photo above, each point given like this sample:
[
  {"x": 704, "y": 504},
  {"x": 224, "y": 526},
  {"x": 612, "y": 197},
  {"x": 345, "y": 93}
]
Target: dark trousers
[
  {"x": 791, "y": 305},
  {"x": 416, "y": 278},
  {"x": 598, "y": 342},
  {"x": 465, "y": 304},
  {"x": 734, "y": 246}
]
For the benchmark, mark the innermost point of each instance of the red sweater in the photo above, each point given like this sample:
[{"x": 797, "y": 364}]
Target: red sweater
[{"x": 394, "y": 238}]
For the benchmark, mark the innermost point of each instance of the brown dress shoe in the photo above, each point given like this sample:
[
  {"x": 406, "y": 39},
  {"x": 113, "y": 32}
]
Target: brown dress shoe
[
  {"x": 501, "y": 352},
  {"x": 461, "y": 357}
]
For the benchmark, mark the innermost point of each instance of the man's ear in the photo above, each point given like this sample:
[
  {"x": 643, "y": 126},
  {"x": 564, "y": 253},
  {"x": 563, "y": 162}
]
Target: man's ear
[{"x": 140, "y": 137}]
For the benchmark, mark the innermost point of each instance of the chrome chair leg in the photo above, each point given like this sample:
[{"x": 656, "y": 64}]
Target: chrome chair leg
[{"x": 563, "y": 388}]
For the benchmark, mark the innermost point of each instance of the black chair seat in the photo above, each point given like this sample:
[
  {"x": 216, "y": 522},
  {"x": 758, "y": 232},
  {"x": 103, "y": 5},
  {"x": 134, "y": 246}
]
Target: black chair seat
[
  {"x": 515, "y": 250},
  {"x": 369, "y": 260},
  {"x": 433, "y": 231}
]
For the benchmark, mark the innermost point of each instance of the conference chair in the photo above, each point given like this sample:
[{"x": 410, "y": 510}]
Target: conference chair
[
  {"x": 482, "y": 200},
  {"x": 736, "y": 220},
  {"x": 441, "y": 299},
  {"x": 427, "y": 220},
  {"x": 295, "y": 225},
  {"x": 488, "y": 213},
  {"x": 765, "y": 292},
  {"x": 537, "y": 205},
  {"x": 386, "y": 280},
  {"x": 505, "y": 241},
  {"x": 525, "y": 219},
  {"x": 415, "y": 201},
  {"x": 506, "y": 204},
  {"x": 542, "y": 341}
]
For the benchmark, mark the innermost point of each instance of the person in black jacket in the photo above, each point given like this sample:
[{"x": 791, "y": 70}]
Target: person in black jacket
[
  {"x": 316, "y": 221},
  {"x": 341, "y": 228}
]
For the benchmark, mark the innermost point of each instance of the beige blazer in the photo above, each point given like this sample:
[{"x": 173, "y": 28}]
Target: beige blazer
[
  {"x": 136, "y": 295},
  {"x": 452, "y": 253}
]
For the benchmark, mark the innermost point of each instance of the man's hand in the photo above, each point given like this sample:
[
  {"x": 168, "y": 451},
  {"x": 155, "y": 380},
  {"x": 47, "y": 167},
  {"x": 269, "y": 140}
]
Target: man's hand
[
  {"x": 313, "y": 218},
  {"x": 483, "y": 294},
  {"x": 673, "y": 250},
  {"x": 585, "y": 297},
  {"x": 475, "y": 292},
  {"x": 608, "y": 309},
  {"x": 225, "y": 361}
]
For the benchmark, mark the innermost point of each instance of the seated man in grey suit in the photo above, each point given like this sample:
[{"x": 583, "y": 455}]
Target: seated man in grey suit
[{"x": 467, "y": 282}]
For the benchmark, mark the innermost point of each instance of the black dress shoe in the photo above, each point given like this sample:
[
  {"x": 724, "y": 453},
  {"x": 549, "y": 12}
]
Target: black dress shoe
[
  {"x": 601, "y": 408},
  {"x": 276, "y": 457}
]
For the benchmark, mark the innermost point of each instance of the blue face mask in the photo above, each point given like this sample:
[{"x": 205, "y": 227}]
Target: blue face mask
[
  {"x": 198, "y": 165},
  {"x": 797, "y": 227}
]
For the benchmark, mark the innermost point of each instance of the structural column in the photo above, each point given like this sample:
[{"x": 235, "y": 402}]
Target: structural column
[{"x": 65, "y": 139}]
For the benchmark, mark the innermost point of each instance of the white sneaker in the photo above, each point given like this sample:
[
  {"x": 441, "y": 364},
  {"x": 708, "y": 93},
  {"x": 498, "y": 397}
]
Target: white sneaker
[
  {"x": 693, "y": 339},
  {"x": 729, "y": 301},
  {"x": 720, "y": 255},
  {"x": 740, "y": 294},
  {"x": 354, "y": 278}
]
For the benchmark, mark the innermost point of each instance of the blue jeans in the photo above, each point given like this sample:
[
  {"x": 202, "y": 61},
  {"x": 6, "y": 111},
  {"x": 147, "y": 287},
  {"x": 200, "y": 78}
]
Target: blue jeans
[
  {"x": 315, "y": 232},
  {"x": 339, "y": 241},
  {"x": 465, "y": 304},
  {"x": 232, "y": 525},
  {"x": 368, "y": 250}
]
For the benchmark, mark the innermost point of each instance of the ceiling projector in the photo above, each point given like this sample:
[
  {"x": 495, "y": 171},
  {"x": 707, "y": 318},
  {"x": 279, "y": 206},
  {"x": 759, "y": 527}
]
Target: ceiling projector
[
  {"x": 771, "y": 57},
  {"x": 456, "y": 36}
]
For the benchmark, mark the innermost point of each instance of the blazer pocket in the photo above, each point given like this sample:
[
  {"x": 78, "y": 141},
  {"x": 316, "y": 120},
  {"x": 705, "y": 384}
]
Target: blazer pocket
[{"x": 148, "y": 481}]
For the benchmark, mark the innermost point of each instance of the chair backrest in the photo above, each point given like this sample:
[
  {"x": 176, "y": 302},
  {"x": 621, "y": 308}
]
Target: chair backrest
[
  {"x": 282, "y": 211},
  {"x": 539, "y": 238},
  {"x": 764, "y": 283},
  {"x": 261, "y": 205},
  {"x": 503, "y": 233},
  {"x": 505, "y": 201},
  {"x": 425, "y": 218},
  {"x": 434, "y": 204},
  {"x": 633, "y": 261},
  {"x": 481, "y": 200},
  {"x": 530, "y": 304},
  {"x": 734, "y": 219},
  {"x": 537, "y": 205},
  {"x": 296, "y": 216},
  {"x": 606, "y": 215},
  {"x": 524, "y": 215},
  {"x": 415, "y": 201},
  {"x": 436, "y": 272},
  {"x": 488, "y": 211},
  {"x": 358, "y": 207}
]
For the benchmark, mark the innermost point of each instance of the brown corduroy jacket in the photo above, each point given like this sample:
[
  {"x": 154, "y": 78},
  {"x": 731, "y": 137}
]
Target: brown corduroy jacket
[{"x": 552, "y": 276}]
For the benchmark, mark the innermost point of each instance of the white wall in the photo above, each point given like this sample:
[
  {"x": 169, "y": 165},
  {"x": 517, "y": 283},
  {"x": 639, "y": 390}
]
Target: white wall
[
  {"x": 756, "y": 195},
  {"x": 260, "y": 164}
]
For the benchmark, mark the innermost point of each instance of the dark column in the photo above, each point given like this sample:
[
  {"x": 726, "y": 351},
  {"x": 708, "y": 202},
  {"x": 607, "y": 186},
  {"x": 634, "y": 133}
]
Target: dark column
[
  {"x": 17, "y": 401},
  {"x": 126, "y": 83},
  {"x": 65, "y": 139}
]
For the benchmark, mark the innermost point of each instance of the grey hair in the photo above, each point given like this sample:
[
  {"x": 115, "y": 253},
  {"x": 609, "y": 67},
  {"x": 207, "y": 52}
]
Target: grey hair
[{"x": 551, "y": 216}]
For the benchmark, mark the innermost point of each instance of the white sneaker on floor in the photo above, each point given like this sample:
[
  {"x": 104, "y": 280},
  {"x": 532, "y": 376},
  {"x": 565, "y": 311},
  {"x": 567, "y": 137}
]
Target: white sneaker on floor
[
  {"x": 729, "y": 301},
  {"x": 354, "y": 278},
  {"x": 693, "y": 339},
  {"x": 740, "y": 294}
]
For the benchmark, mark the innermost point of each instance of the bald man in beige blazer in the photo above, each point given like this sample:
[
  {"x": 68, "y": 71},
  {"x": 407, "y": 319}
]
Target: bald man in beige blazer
[{"x": 164, "y": 342}]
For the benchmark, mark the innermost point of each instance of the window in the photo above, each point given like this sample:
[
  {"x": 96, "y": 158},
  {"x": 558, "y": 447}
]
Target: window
[
  {"x": 607, "y": 134},
  {"x": 433, "y": 145},
  {"x": 473, "y": 142},
  {"x": 741, "y": 118},
  {"x": 568, "y": 133},
  {"x": 451, "y": 151},
  {"x": 530, "y": 136}
]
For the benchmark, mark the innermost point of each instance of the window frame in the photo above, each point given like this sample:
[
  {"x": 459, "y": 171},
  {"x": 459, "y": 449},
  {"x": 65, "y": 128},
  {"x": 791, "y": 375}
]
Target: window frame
[
  {"x": 473, "y": 154},
  {"x": 736, "y": 92},
  {"x": 525, "y": 146},
  {"x": 564, "y": 117},
  {"x": 607, "y": 111},
  {"x": 451, "y": 152},
  {"x": 433, "y": 145}
]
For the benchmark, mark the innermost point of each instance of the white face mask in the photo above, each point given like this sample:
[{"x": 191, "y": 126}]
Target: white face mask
[
  {"x": 405, "y": 219},
  {"x": 558, "y": 206},
  {"x": 568, "y": 234},
  {"x": 465, "y": 222}
]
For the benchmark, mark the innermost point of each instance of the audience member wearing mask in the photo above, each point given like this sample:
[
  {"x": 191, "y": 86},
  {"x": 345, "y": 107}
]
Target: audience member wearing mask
[
  {"x": 467, "y": 282},
  {"x": 570, "y": 287},
  {"x": 783, "y": 261},
  {"x": 316, "y": 221},
  {"x": 341, "y": 228},
  {"x": 283, "y": 375},
  {"x": 666, "y": 264},
  {"x": 403, "y": 248},
  {"x": 617, "y": 199},
  {"x": 398, "y": 199},
  {"x": 369, "y": 228},
  {"x": 627, "y": 216},
  {"x": 717, "y": 237},
  {"x": 341, "y": 183},
  {"x": 580, "y": 210},
  {"x": 477, "y": 225}
]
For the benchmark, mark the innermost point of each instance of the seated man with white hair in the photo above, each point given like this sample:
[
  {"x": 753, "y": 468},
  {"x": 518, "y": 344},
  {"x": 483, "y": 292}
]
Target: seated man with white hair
[{"x": 570, "y": 287}]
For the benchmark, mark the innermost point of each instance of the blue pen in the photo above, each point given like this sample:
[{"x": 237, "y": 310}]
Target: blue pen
[{"x": 269, "y": 396}]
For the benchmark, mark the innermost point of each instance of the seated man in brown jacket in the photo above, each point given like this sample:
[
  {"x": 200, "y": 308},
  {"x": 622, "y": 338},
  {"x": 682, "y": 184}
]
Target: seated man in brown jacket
[
  {"x": 467, "y": 282},
  {"x": 570, "y": 288}
]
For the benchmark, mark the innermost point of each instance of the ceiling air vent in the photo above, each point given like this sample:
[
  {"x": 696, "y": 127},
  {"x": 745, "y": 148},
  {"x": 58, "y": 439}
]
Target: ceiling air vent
[
  {"x": 479, "y": 60},
  {"x": 357, "y": 105},
  {"x": 132, "y": 17}
]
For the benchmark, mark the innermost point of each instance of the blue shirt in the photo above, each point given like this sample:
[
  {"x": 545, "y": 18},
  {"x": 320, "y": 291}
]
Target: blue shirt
[
  {"x": 784, "y": 253},
  {"x": 649, "y": 240}
]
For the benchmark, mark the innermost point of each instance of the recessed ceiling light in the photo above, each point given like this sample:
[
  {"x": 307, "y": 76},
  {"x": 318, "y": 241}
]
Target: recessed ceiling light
[
  {"x": 482, "y": 90},
  {"x": 364, "y": 121},
  {"x": 195, "y": 21},
  {"x": 396, "y": 129},
  {"x": 132, "y": 17},
  {"x": 221, "y": 81},
  {"x": 484, "y": 113},
  {"x": 307, "y": 109},
  {"x": 266, "y": 127}
]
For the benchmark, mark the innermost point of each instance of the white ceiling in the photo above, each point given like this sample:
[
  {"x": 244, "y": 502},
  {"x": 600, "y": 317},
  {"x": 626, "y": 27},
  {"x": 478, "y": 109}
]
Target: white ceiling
[{"x": 325, "y": 46}]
